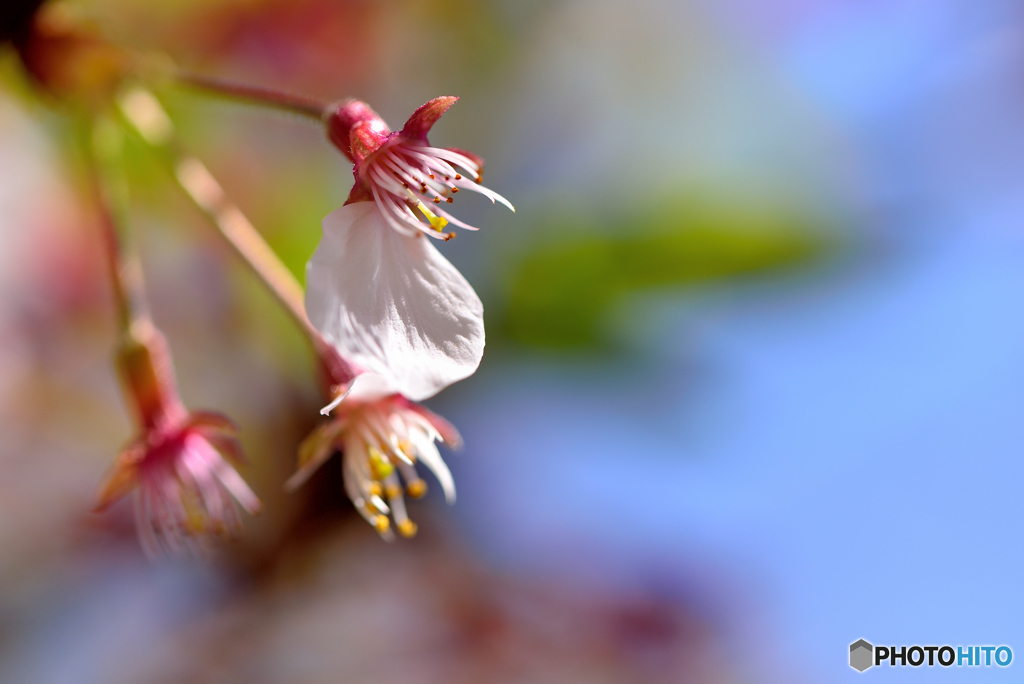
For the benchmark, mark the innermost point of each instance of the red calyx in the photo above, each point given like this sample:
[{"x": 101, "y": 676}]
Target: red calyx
[{"x": 355, "y": 129}]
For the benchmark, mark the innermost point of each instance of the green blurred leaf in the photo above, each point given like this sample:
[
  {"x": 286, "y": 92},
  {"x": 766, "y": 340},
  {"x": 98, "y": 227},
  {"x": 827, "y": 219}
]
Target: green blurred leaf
[{"x": 559, "y": 293}]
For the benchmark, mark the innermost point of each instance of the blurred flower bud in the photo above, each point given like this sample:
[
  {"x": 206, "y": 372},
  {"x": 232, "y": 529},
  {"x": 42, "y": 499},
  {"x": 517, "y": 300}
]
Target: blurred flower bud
[{"x": 69, "y": 64}]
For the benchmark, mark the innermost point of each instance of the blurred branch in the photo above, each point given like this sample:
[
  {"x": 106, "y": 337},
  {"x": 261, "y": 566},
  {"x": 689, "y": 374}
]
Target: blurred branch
[
  {"x": 146, "y": 116},
  {"x": 266, "y": 97}
]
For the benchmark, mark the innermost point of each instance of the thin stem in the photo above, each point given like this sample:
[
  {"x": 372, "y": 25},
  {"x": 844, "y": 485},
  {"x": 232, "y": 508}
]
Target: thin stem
[
  {"x": 142, "y": 359},
  {"x": 203, "y": 189},
  {"x": 266, "y": 97},
  {"x": 143, "y": 112},
  {"x": 109, "y": 192}
]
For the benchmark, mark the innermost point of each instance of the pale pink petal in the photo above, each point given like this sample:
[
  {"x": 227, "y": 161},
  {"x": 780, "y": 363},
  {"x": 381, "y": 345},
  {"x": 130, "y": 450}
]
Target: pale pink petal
[
  {"x": 369, "y": 387},
  {"x": 393, "y": 305}
]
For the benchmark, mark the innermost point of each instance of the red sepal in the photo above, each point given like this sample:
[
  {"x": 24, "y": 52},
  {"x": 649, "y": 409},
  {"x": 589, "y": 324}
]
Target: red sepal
[{"x": 421, "y": 121}]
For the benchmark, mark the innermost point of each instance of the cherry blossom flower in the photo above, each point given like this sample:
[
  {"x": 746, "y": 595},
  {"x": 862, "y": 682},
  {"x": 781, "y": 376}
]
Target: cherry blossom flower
[
  {"x": 391, "y": 303},
  {"x": 381, "y": 439},
  {"x": 185, "y": 490}
]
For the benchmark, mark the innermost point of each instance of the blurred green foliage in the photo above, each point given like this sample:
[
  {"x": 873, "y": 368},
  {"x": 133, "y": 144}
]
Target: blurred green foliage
[{"x": 559, "y": 291}]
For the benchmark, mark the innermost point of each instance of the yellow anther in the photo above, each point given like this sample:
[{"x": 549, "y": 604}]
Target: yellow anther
[
  {"x": 416, "y": 489},
  {"x": 376, "y": 489},
  {"x": 381, "y": 524},
  {"x": 380, "y": 466},
  {"x": 393, "y": 491},
  {"x": 407, "y": 528}
]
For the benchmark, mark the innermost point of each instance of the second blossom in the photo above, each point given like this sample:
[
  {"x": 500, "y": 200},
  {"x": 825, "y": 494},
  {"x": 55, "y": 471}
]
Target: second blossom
[{"x": 389, "y": 302}]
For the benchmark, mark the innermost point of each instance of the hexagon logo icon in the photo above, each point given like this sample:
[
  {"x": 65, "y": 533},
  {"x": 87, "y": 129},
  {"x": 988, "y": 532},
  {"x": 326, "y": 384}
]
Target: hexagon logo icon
[{"x": 861, "y": 655}]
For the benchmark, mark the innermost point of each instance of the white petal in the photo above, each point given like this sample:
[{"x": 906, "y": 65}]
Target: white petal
[
  {"x": 370, "y": 387},
  {"x": 392, "y": 304}
]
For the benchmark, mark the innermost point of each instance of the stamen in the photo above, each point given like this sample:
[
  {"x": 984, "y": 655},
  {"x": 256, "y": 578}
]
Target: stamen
[
  {"x": 354, "y": 479},
  {"x": 416, "y": 489},
  {"x": 398, "y": 169},
  {"x": 407, "y": 172},
  {"x": 406, "y": 177},
  {"x": 397, "y": 504},
  {"x": 429, "y": 456},
  {"x": 426, "y": 166},
  {"x": 408, "y": 472},
  {"x": 406, "y": 447},
  {"x": 379, "y": 504},
  {"x": 392, "y": 214},
  {"x": 326, "y": 410},
  {"x": 488, "y": 193},
  {"x": 433, "y": 162},
  {"x": 457, "y": 222},
  {"x": 377, "y": 432}
]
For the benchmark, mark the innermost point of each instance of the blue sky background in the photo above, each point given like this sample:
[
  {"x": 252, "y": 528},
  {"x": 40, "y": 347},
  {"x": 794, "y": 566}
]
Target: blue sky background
[{"x": 836, "y": 453}]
